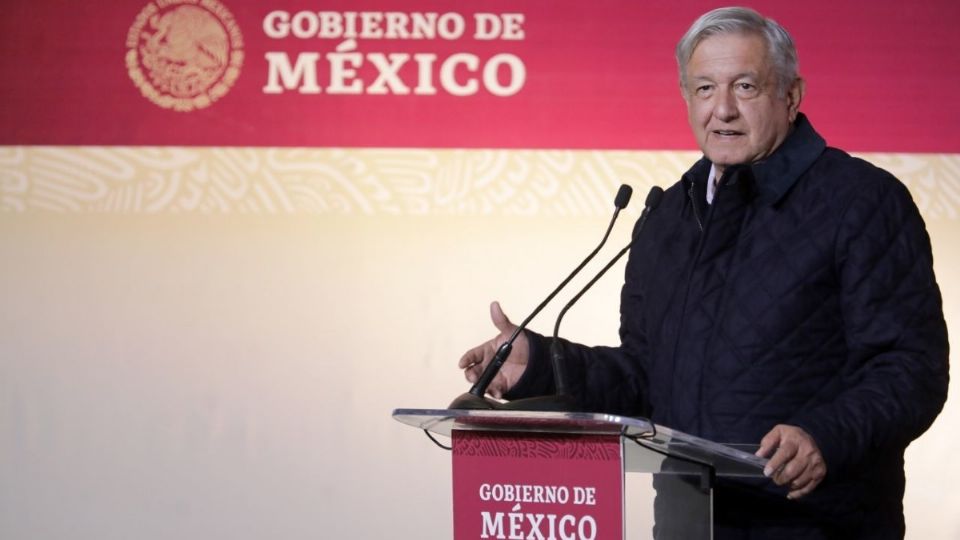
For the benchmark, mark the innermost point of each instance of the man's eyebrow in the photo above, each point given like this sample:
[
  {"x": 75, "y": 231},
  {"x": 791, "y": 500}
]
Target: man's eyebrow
[{"x": 744, "y": 75}]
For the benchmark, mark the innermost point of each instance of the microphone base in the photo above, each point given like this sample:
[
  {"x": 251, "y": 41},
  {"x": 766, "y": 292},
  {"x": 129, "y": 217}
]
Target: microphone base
[
  {"x": 470, "y": 401},
  {"x": 555, "y": 403}
]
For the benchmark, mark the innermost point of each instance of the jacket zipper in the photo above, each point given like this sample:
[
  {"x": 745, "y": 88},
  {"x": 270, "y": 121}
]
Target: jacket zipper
[
  {"x": 693, "y": 203},
  {"x": 686, "y": 295}
]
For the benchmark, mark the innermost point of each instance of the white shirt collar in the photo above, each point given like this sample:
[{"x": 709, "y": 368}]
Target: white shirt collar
[{"x": 711, "y": 183}]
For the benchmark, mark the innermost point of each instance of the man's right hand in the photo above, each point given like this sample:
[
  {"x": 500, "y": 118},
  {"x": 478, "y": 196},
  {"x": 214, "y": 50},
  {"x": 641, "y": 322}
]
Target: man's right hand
[{"x": 476, "y": 359}]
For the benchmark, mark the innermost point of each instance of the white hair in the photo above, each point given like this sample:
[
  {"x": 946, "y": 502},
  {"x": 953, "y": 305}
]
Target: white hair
[{"x": 739, "y": 20}]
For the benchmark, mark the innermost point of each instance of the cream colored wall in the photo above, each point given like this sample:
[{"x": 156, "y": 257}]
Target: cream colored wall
[{"x": 208, "y": 343}]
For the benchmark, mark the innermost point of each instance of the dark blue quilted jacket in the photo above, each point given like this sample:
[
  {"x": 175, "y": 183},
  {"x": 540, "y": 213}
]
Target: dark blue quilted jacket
[{"x": 803, "y": 295}]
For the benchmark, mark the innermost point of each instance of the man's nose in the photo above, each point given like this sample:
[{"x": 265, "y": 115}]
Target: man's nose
[{"x": 725, "y": 108}]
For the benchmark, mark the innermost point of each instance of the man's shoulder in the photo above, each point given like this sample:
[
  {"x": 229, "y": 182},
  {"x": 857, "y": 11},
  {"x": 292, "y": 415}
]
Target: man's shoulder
[
  {"x": 836, "y": 163},
  {"x": 846, "y": 176},
  {"x": 856, "y": 188}
]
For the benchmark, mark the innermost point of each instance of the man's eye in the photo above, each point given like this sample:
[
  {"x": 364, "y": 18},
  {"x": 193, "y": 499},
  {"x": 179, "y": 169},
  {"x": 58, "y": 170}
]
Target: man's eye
[
  {"x": 746, "y": 87},
  {"x": 704, "y": 89}
]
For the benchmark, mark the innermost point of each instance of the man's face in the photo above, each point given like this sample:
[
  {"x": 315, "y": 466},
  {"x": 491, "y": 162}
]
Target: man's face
[{"x": 733, "y": 102}]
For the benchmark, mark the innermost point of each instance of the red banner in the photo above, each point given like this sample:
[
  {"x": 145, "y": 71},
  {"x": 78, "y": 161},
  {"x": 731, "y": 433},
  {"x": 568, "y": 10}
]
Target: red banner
[
  {"x": 545, "y": 486},
  {"x": 436, "y": 74}
]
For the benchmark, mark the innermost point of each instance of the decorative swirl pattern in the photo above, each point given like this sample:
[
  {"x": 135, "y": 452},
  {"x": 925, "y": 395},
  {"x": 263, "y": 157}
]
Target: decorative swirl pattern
[
  {"x": 375, "y": 181},
  {"x": 542, "y": 446}
]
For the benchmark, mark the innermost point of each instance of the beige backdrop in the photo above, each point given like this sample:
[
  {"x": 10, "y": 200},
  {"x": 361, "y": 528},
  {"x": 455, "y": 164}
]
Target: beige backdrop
[{"x": 208, "y": 343}]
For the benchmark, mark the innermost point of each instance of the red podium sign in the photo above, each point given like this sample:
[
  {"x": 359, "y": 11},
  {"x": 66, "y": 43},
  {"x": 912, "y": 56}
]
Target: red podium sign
[{"x": 542, "y": 486}]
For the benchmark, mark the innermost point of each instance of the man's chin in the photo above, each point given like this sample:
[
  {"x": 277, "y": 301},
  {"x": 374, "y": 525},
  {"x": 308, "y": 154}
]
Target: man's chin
[
  {"x": 721, "y": 163},
  {"x": 726, "y": 159}
]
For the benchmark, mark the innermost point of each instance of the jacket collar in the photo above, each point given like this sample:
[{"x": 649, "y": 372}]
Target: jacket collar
[{"x": 775, "y": 175}]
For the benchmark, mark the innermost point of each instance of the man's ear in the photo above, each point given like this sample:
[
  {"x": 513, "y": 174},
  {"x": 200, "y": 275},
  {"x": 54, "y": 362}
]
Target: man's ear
[{"x": 795, "y": 96}]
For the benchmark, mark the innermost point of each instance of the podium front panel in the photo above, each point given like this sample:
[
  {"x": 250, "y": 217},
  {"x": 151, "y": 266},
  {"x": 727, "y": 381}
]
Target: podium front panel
[{"x": 543, "y": 485}]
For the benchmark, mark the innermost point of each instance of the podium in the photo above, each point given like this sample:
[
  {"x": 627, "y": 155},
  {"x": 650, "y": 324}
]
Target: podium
[{"x": 560, "y": 475}]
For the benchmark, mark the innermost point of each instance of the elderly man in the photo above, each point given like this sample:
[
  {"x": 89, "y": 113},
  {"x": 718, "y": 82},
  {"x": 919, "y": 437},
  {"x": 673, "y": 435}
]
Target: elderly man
[{"x": 782, "y": 294}]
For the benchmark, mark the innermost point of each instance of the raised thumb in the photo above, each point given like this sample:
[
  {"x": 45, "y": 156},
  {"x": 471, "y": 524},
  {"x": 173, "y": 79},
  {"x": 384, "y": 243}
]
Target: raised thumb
[{"x": 499, "y": 319}]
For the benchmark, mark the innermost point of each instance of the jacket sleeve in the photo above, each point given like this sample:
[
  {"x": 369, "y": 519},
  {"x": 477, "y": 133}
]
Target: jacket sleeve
[{"x": 896, "y": 371}]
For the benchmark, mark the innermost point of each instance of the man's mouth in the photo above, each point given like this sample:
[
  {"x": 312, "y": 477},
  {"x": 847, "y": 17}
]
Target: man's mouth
[{"x": 727, "y": 132}]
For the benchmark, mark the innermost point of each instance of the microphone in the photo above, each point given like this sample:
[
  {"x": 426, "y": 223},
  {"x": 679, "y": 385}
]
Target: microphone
[
  {"x": 474, "y": 399},
  {"x": 562, "y": 400}
]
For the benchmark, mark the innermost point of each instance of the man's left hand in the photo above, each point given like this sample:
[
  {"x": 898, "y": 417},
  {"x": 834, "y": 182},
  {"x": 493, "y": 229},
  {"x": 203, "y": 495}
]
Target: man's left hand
[{"x": 796, "y": 460}]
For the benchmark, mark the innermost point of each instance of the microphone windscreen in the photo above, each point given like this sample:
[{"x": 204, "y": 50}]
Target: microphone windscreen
[
  {"x": 653, "y": 198},
  {"x": 623, "y": 196}
]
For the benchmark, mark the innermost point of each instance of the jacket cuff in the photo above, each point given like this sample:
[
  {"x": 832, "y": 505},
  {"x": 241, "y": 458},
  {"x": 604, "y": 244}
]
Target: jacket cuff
[
  {"x": 831, "y": 448},
  {"x": 537, "y": 378}
]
